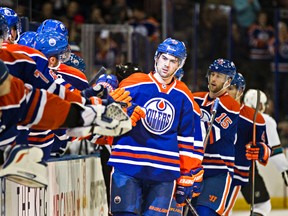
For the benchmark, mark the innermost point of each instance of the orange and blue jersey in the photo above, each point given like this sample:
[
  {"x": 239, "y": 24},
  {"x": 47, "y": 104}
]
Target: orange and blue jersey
[
  {"x": 219, "y": 156},
  {"x": 73, "y": 76},
  {"x": 168, "y": 141},
  {"x": 74, "y": 80},
  {"x": 245, "y": 135},
  {"x": 259, "y": 39},
  {"x": 38, "y": 57},
  {"x": 30, "y": 107},
  {"x": 24, "y": 68}
]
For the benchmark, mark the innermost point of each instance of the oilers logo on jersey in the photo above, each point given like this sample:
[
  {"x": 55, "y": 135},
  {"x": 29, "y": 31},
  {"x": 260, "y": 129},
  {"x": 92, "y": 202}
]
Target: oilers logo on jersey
[
  {"x": 159, "y": 115},
  {"x": 205, "y": 115}
]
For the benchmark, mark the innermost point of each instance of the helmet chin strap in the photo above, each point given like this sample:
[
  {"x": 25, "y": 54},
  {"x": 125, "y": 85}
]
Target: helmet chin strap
[
  {"x": 237, "y": 98},
  {"x": 213, "y": 95}
]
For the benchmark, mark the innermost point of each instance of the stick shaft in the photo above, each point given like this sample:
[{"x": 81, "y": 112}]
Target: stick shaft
[
  {"x": 191, "y": 208},
  {"x": 101, "y": 71},
  {"x": 253, "y": 161},
  {"x": 214, "y": 112}
]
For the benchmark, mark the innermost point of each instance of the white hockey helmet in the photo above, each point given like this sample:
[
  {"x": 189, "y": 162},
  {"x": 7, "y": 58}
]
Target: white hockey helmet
[{"x": 250, "y": 99}]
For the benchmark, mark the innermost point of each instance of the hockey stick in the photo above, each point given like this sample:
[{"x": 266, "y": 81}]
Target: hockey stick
[
  {"x": 253, "y": 161},
  {"x": 97, "y": 75},
  {"x": 191, "y": 208},
  {"x": 214, "y": 112}
]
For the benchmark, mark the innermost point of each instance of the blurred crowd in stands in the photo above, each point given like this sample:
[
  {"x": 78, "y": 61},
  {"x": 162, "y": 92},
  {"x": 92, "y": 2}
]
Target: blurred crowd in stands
[{"x": 243, "y": 30}]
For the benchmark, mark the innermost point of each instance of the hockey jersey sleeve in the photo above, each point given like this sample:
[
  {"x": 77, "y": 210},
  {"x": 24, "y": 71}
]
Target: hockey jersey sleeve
[
  {"x": 30, "y": 107},
  {"x": 191, "y": 156},
  {"x": 277, "y": 157}
]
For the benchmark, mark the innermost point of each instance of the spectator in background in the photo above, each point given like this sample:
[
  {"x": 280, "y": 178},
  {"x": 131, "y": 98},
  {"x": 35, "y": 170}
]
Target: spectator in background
[
  {"x": 44, "y": 11},
  {"x": 145, "y": 25},
  {"x": 246, "y": 14},
  {"x": 260, "y": 33},
  {"x": 106, "y": 6},
  {"x": 120, "y": 12},
  {"x": 21, "y": 9},
  {"x": 95, "y": 16},
  {"x": 107, "y": 50},
  {"x": 280, "y": 51},
  {"x": 47, "y": 11},
  {"x": 7, "y": 3},
  {"x": 76, "y": 19}
]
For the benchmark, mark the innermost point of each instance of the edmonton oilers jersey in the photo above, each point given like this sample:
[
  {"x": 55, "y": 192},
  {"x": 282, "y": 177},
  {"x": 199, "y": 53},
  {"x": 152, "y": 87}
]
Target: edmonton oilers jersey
[
  {"x": 168, "y": 141},
  {"x": 245, "y": 135},
  {"x": 73, "y": 76},
  {"x": 29, "y": 107},
  {"x": 43, "y": 72},
  {"x": 219, "y": 154}
]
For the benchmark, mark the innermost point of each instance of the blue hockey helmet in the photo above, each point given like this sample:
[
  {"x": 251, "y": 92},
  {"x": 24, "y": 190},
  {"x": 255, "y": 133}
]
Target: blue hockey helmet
[
  {"x": 53, "y": 25},
  {"x": 13, "y": 21},
  {"x": 76, "y": 62},
  {"x": 223, "y": 66},
  {"x": 27, "y": 38},
  {"x": 173, "y": 47},
  {"x": 52, "y": 43},
  {"x": 109, "y": 81},
  {"x": 179, "y": 74},
  {"x": 4, "y": 30},
  {"x": 239, "y": 81}
]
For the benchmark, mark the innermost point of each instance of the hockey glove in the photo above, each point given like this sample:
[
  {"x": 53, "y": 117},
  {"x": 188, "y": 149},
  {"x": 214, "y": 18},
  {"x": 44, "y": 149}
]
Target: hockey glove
[
  {"x": 95, "y": 91},
  {"x": 198, "y": 181},
  {"x": 285, "y": 177},
  {"x": 136, "y": 113},
  {"x": 186, "y": 189},
  {"x": 260, "y": 152},
  {"x": 121, "y": 95}
]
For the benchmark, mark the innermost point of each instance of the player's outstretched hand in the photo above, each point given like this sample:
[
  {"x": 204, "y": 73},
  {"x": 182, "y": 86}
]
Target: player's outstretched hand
[
  {"x": 121, "y": 95},
  {"x": 260, "y": 152},
  {"x": 109, "y": 120}
]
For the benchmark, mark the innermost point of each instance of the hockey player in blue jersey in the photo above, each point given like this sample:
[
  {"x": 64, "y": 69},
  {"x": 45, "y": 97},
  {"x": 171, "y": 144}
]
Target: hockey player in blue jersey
[
  {"x": 164, "y": 151},
  {"x": 219, "y": 154},
  {"x": 262, "y": 202},
  {"x": 24, "y": 105},
  {"x": 244, "y": 152}
]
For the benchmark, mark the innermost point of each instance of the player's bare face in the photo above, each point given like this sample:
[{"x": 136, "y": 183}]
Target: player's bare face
[
  {"x": 5, "y": 87},
  {"x": 216, "y": 82},
  {"x": 13, "y": 33},
  {"x": 232, "y": 91},
  {"x": 167, "y": 65}
]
